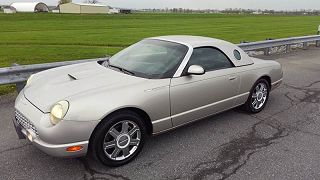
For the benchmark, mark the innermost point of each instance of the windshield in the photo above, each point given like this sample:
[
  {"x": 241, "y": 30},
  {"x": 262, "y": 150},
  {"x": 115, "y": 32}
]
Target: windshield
[{"x": 153, "y": 59}]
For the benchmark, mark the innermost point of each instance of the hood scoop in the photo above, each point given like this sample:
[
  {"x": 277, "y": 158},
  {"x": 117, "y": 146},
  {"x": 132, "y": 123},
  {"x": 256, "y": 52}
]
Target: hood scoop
[{"x": 72, "y": 77}]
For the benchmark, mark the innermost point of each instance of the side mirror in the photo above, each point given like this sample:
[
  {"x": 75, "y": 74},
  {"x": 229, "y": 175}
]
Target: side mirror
[{"x": 196, "y": 70}]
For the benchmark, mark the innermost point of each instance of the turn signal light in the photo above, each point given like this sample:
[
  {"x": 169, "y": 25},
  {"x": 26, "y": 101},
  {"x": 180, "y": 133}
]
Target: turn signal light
[
  {"x": 74, "y": 148},
  {"x": 30, "y": 137}
]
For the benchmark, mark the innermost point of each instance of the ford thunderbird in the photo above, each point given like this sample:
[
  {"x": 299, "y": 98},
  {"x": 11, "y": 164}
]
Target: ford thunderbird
[{"x": 107, "y": 108}]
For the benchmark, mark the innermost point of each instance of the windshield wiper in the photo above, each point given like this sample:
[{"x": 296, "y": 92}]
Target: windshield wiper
[
  {"x": 107, "y": 64},
  {"x": 121, "y": 69}
]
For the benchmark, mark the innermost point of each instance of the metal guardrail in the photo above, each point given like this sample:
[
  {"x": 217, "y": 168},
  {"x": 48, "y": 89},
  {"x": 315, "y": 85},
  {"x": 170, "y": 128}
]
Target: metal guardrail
[
  {"x": 268, "y": 44},
  {"x": 18, "y": 74}
]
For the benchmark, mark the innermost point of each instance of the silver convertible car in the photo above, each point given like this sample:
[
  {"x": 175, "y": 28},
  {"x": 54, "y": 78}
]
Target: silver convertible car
[{"x": 107, "y": 108}]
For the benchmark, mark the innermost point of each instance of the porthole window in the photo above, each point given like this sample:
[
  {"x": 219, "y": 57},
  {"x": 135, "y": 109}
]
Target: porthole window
[{"x": 237, "y": 54}]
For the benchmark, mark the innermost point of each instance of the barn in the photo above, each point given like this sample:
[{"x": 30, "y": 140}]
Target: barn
[
  {"x": 84, "y": 8},
  {"x": 30, "y": 7},
  {"x": 8, "y": 9}
]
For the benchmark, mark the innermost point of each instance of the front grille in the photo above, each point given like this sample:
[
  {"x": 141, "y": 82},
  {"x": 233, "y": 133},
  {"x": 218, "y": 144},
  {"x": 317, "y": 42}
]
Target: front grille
[{"x": 24, "y": 122}]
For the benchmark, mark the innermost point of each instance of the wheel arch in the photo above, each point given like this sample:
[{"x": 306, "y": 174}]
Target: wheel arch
[
  {"x": 140, "y": 112},
  {"x": 267, "y": 78},
  {"x": 246, "y": 106}
]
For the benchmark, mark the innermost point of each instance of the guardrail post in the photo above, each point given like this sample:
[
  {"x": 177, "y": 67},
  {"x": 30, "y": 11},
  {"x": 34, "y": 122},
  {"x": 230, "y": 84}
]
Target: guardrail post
[
  {"x": 267, "y": 51},
  {"x": 305, "y": 45},
  {"x": 20, "y": 85},
  {"x": 318, "y": 43},
  {"x": 288, "y": 48}
]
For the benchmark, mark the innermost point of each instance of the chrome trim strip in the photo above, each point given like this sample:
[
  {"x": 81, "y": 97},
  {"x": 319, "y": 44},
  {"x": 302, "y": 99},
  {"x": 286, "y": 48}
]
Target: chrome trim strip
[
  {"x": 277, "y": 82},
  {"x": 186, "y": 112},
  {"x": 161, "y": 120},
  {"x": 157, "y": 88},
  {"x": 202, "y": 107},
  {"x": 189, "y": 122},
  {"x": 47, "y": 145}
]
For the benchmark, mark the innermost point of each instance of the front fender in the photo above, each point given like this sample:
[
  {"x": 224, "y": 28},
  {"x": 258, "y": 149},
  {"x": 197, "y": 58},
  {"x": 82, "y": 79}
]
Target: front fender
[{"x": 151, "y": 96}]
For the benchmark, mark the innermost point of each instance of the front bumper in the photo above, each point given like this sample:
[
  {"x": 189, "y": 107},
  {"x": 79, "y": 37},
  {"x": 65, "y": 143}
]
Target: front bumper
[
  {"x": 53, "y": 140},
  {"x": 59, "y": 150}
]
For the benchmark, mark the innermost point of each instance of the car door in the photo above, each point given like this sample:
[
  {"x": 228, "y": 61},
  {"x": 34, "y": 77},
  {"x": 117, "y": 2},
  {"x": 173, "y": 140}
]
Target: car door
[{"x": 197, "y": 96}]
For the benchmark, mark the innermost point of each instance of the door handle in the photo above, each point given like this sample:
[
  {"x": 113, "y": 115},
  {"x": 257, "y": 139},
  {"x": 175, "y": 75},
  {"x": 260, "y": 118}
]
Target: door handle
[{"x": 232, "y": 78}]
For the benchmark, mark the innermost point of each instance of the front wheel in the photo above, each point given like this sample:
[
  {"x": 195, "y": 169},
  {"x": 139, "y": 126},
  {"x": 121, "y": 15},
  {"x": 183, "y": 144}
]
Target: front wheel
[
  {"x": 258, "y": 97},
  {"x": 118, "y": 139}
]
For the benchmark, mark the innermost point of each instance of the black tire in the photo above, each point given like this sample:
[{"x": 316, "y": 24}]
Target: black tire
[
  {"x": 248, "y": 106},
  {"x": 96, "y": 148}
]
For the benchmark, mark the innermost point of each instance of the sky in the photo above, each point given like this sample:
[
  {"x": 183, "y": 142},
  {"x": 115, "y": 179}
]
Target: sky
[{"x": 199, "y": 4}]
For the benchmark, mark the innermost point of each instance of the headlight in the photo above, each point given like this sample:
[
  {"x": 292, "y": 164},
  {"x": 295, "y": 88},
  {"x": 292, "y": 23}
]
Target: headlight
[
  {"x": 29, "y": 80},
  {"x": 58, "y": 111}
]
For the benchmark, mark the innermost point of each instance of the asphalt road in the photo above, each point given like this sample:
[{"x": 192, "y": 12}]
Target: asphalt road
[{"x": 282, "y": 142}]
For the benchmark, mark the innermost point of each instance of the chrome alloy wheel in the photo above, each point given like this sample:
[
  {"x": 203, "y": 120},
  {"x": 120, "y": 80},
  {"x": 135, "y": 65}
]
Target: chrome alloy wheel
[
  {"x": 121, "y": 140},
  {"x": 259, "y": 96}
]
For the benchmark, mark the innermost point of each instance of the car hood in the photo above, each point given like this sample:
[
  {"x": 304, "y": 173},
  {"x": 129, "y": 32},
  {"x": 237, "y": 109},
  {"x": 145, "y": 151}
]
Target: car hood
[{"x": 50, "y": 86}]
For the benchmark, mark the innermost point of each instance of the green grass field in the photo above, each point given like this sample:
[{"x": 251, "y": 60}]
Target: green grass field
[{"x": 38, "y": 38}]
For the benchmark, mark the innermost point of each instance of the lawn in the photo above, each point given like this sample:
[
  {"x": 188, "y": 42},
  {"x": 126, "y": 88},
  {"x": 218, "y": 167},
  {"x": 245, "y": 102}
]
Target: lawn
[{"x": 30, "y": 38}]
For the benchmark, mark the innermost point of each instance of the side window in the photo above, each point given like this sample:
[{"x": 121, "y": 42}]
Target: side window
[{"x": 210, "y": 59}]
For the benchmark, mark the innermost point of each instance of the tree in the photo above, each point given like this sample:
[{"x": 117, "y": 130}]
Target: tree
[{"x": 65, "y": 1}]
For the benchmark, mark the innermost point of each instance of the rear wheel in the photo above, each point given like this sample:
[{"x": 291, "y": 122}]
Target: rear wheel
[
  {"x": 119, "y": 139},
  {"x": 258, "y": 97}
]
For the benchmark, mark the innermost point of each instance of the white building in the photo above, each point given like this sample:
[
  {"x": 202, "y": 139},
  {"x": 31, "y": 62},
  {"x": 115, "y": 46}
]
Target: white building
[
  {"x": 257, "y": 12},
  {"x": 114, "y": 10},
  {"x": 84, "y": 8},
  {"x": 30, "y": 7},
  {"x": 9, "y": 10}
]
